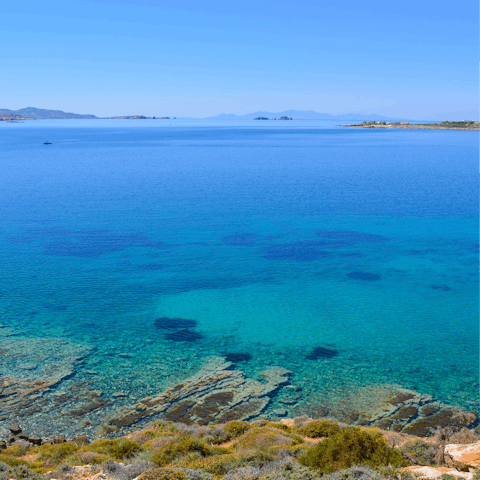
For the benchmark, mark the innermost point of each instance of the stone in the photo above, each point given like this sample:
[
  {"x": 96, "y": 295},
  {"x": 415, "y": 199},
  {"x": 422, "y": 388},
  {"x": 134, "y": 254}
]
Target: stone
[
  {"x": 58, "y": 440},
  {"x": 463, "y": 456},
  {"x": 3, "y": 444},
  {"x": 10, "y": 439},
  {"x": 437, "y": 472},
  {"x": 15, "y": 429},
  {"x": 81, "y": 440},
  {"x": 280, "y": 412},
  {"x": 216, "y": 394},
  {"x": 22, "y": 436},
  {"x": 119, "y": 395},
  {"x": 35, "y": 440},
  {"x": 21, "y": 444}
]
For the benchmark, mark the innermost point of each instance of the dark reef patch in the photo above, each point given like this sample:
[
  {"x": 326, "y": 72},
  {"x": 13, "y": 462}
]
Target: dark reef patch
[
  {"x": 183, "y": 336},
  {"x": 237, "y": 357},
  {"x": 310, "y": 250},
  {"x": 322, "y": 352},
  {"x": 345, "y": 238},
  {"x": 444, "y": 288},
  {"x": 305, "y": 251},
  {"x": 94, "y": 243},
  {"x": 240, "y": 239},
  {"x": 166, "y": 323},
  {"x": 365, "y": 276}
]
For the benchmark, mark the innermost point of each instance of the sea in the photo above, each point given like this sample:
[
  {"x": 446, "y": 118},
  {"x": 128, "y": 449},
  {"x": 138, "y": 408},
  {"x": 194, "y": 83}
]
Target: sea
[{"x": 347, "y": 256}]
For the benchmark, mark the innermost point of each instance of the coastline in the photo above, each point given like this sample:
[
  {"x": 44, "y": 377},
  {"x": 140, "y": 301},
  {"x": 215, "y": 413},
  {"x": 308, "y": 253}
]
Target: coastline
[
  {"x": 475, "y": 128},
  {"x": 301, "y": 448}
]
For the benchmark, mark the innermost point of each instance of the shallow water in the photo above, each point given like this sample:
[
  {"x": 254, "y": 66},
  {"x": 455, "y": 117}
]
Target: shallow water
[{"x": 349, "y": 257}]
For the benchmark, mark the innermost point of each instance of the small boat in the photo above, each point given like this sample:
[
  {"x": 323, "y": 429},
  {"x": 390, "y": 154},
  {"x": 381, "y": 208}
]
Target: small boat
[{"x": 47, "y": 143}]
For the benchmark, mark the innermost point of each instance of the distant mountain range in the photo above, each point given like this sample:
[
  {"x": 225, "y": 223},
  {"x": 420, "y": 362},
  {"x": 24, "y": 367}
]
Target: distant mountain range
[
  {"x": 309, "y": 115},
  {"x": 41, "y": 113}
]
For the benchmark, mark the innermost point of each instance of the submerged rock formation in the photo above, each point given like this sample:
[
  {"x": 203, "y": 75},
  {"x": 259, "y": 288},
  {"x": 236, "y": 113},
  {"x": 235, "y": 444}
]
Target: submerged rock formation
[{"x": 216, "y": 394}]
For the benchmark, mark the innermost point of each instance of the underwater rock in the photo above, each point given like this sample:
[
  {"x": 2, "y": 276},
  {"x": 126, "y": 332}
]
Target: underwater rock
[
  {"x": 444, "y": 288},
  {"x": 346, "y": 238},
  {"x": 240, "y": 239},
  {"x": 305, "y": 251},
  {"x": 216, "y": 394},
  {"x": 166, "y": 323},
  {"x": 238, "y": 357},
  {"x": 322, "y": 352},
  {"x": 94, "y": 243},
  {"x": 184, "y": 335},
  {"x": 366, "y": 276}
]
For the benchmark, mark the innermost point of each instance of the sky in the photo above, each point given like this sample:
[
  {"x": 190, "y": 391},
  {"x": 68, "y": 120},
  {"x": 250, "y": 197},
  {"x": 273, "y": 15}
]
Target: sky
[{"x": 410, "y": 59}]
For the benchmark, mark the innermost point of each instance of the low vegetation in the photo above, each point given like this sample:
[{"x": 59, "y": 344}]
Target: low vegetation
[
  {"x": 350, "y": 447},
  {"x": 260, "y": 450}
]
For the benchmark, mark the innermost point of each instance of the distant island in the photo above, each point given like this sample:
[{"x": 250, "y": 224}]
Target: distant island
[
  {"x": 32, "y": 113},
  {"x": 461, "y": 125},
  {"x": 281, "y": 118}
]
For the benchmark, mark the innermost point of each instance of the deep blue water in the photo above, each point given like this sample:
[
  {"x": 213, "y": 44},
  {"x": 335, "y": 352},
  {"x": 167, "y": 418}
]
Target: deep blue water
[{"x": 347, "y": 256}]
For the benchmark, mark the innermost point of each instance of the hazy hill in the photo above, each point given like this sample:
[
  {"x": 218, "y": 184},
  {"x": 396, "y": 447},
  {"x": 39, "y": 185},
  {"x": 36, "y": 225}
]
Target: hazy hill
[{"x": 41, "y": 113}]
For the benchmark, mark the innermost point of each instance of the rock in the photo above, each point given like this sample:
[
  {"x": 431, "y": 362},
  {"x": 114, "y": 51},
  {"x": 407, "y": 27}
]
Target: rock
[
  {"x": 216, "y": 394},
  {"x": 22, "y": 436},
  {"x": 15, "y": 429},
  {"x": 280, "y": 412},
  {"x": 57, "y": 440},
  {"x": 10, "y": 439},
  {"x": 81, "y": 440},
  {"x": 437, "y": 472},
  {"x": 21, "y": 444},
  {"x": 35, "y": 440},
  {"x": 119, "y": 395},
  {"x": 3, "y": 444},
  {"x": 463, "y": 456}
]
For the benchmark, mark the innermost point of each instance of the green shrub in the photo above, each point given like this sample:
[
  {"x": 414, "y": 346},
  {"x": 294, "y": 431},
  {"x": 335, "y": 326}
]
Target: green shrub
[
  {"x": 162, "y": 474},
  {"x": 19, "y": 472},
  {"x": 53, "y": 455},
  {"x": 349, "y": 447},
  {"x": 319, "y": 429},
  {"x": 118, "y": 449},
  {"x": 236, "y": 428},
  {"x": 178, "y": 448},
  {"x": 12, "y": 461},
  {"x": 447, "y": 476},
  {"x": 280, "y": 426},
  {"x": 420, "y": 451},
  {"x": 217, "y": 465}
]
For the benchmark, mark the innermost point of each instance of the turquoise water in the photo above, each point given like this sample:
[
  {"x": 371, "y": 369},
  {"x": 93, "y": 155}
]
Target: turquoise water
[{"x": 349, "y": 257}]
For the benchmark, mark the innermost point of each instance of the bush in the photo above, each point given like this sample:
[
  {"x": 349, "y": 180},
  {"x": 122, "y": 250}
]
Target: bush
[
  {"x": 421, "y": 452},
  {"x": 266, "y": 436},
  {"x": 162, "y": 474},
  {"x": 217, "y": 465},
  {"x": 236, "y": 428},
  {"x": 118, "y": 449},
  {"x": 464, "y": 436},
  {"x": 53, "y": 455},
  {"x": 178, "y": 448},
  {"x": 319, "y": 429},
  {"x": 280, "y": 426},
  {"x": 19, "y": 472},
  {"x": 350, "y": 447}
]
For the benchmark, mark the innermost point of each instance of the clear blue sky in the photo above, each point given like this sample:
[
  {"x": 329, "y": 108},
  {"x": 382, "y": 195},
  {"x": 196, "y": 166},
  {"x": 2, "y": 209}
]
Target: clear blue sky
[{"x": 413, "y": 59}]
